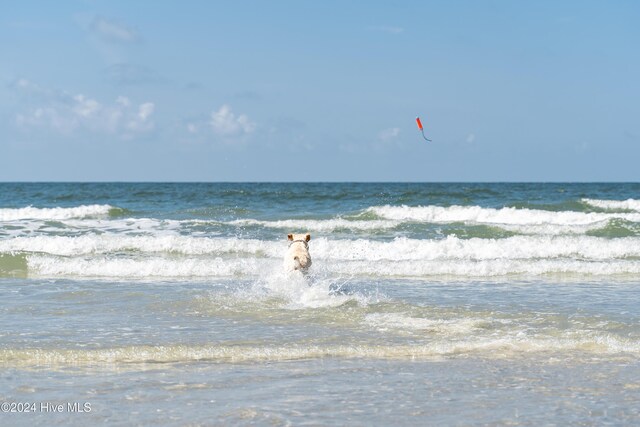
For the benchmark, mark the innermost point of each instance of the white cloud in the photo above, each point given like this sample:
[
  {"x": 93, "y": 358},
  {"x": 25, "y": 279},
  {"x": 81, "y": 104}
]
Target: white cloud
[
  {"x": 70, "y": 114},
  {"x": 25, "y": 84},
  {"x": 224, "y": 122},
  {"x": 110, "y": 30},
  {"x": 123, "y": 100},
  {"x": 471, "y": 138},
  {"x": 47, "y": 117},
  {"x": 140, "y": 122},
  {"x": 28, "y": 87},
  {"x": 388, "y": 134},
  {"x": 145, "y": 110},
  {"x": 85, "y": 107}
]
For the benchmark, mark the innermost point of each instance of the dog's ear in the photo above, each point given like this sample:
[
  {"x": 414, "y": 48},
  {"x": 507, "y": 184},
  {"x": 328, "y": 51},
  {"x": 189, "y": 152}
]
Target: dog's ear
[
  {"x": 290, "y": 237},
  {"x": 307, "y": 237}
]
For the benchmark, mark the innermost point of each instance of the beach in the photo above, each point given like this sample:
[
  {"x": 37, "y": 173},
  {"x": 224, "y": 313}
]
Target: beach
[{"x": 426, "y": 304}]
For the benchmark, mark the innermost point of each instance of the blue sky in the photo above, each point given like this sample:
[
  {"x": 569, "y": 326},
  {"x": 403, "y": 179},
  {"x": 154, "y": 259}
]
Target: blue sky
[{"x": 319, "y": 91}]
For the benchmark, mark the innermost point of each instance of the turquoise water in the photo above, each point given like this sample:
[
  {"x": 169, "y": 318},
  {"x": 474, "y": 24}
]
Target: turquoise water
[{"x": 426, "y": 303}]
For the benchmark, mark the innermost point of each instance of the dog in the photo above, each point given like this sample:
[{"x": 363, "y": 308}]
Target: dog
[{"x": 297, "y": 257}]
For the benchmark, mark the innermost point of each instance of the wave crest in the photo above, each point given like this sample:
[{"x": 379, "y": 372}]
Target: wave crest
[
  {"x": 488, "y": 347},
  {"x": 632, "y": 205},
  {"x": 83, "y": 211},
  {"x": 506, "y": 216}
]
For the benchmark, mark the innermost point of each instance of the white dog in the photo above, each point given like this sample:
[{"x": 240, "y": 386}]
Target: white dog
[{"x": 297, "y": 257}]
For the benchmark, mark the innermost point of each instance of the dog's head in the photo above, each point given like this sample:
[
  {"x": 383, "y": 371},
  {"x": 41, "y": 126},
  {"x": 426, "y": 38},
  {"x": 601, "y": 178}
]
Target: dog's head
[
  {"x": 297, "y": 257},
  {"x": 299, "y": 237}
]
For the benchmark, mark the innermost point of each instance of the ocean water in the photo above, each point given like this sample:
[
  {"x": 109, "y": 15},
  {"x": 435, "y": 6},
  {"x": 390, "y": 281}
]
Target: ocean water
[{"x": 426, "y": 304}]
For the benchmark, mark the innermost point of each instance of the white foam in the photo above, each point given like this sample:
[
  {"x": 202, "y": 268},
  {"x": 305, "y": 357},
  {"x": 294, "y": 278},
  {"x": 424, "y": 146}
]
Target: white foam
[
  {"x": 325, "y": 225},
  {"x": 125, "y": 225},
  {"x": 454, "y": 248},
  {"x": 94, "y": 218},
  {"x": 491, "y": 347},
  {"x": 487, "y": 268},
  {"x": 628, "y": 205},
  {"x": 399, "y": 249},
  {"x": 141, "y": 256},
  {"x": 402, "y": 322},
  {"x": 111, "y": 243},
  {"x": 84, "y": 211},
  {"x": 50, "y": 266},
  {"x": 74, "y": 226},
  {"x": 306, "y": 291},
  {"x": 160, "y": 267},
  {"x": 503, "y": 216},
  {"x": 554, "y": 229}
]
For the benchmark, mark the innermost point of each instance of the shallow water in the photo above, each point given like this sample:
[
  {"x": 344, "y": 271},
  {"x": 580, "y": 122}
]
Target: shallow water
[{"x": 426, "y": 303}]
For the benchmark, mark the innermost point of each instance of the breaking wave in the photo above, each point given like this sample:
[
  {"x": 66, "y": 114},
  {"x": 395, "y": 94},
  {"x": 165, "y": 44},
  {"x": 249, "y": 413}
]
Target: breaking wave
[
  {"x": 87, "y": 241},
  {"x": 632, "y": 205},
  {"x": 84, "y": 211},
  {"x": 50, "y": 266},
  {"x": 399, "y": 249},
  {"x": 488, "y": 347},
  {"x": 506, "y": 216}
]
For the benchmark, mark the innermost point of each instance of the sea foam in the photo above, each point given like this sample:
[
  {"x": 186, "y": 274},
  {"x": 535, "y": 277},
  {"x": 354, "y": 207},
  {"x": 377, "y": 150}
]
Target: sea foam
[
  {"x": 492, "y": 347},
  {"x": 84, "y": 211},
  {"x": 507, "y": 216},
  {"x": 50, "y": 266},
  {"x": 255, "y": 268},
  {"x": 627, "y": 205},
  {"x": 399, "y": 249}
]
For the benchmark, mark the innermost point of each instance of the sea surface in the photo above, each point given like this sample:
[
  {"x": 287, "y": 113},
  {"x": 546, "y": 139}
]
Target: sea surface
[{"x": 426, "y": 304}]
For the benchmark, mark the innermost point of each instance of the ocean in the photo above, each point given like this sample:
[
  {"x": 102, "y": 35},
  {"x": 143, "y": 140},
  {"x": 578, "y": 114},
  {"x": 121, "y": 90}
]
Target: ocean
[{"x": 426, "y": 304}]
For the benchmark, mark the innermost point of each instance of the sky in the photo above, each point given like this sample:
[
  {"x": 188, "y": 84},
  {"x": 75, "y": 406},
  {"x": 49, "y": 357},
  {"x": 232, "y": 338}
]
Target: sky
[{"x": 319, "y": 90}]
